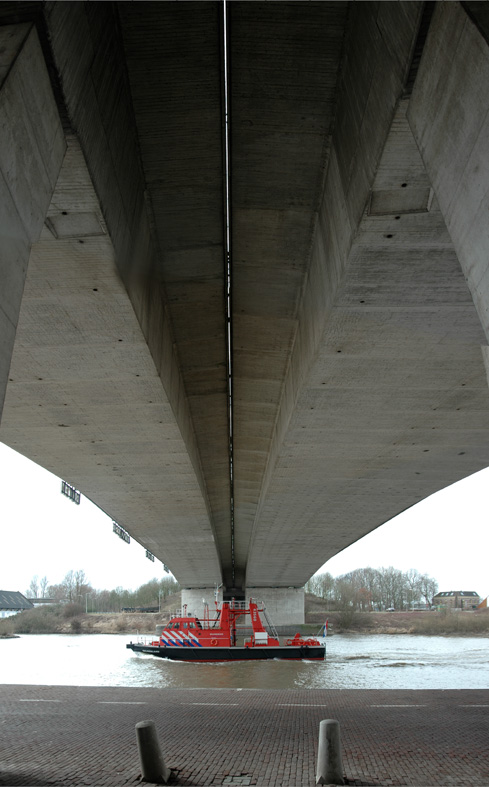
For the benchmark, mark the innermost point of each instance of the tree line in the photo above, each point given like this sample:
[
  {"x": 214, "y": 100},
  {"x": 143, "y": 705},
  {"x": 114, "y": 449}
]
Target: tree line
[
  {"x": 76, "y": 589},
  {"x": 365, "y": 589},
  {"x": 374, "y": 589}
]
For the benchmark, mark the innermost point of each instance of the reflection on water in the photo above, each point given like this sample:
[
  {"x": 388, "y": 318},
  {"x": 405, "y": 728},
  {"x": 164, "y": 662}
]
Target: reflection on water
[{"x": 352, "y": 662}]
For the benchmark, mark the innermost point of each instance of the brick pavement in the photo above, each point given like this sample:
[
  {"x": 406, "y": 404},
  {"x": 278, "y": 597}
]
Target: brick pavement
[{"x": 52, "y": 735}]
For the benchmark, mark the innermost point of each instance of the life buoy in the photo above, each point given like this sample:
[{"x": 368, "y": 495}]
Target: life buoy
[
  {"x": 213, "y": 641},
  {"x": 290, "y": 642}
]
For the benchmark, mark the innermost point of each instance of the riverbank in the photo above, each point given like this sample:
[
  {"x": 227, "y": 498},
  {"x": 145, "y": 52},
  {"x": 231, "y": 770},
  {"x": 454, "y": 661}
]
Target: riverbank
[
  {"x": 53, "y": 620},
  {"x": 69, "y": 619},
  {"x": 429, "y": 623}
]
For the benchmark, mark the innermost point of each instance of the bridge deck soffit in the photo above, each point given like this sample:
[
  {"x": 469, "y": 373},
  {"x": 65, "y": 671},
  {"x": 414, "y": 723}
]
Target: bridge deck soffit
[
  {"x": 358, "y": 384},
  {"x": 84, "y": 399}
]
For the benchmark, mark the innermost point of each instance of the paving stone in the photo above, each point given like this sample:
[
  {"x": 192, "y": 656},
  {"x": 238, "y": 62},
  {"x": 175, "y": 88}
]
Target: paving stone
[{"x": 63, "y": 736}]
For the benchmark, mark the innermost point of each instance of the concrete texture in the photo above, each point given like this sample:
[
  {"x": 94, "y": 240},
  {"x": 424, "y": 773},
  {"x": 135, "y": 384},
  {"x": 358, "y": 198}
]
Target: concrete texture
[
  {"x": 359, "y": 386},
  {"x": 447, "y": 103},
  {"x": 84, "y": 385},
  {"x": 283, "y": 605},
  {"x": 31, "y": 151},
  {"x": 197, "y": 598},
  {"x": 72, "y": 736}
]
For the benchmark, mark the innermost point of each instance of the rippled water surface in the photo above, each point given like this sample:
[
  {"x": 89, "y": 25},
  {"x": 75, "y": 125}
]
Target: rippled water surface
[{"x": 352, "y": 662}]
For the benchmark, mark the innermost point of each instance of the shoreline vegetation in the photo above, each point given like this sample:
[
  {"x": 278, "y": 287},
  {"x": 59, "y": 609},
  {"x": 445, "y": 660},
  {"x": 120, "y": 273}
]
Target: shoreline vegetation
[{"x": 72, "y": 619}]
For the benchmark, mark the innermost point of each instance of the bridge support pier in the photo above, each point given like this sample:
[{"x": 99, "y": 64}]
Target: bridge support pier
[
  {"x": 196, "y": 598},
  {"x": 284, "y": 605}
]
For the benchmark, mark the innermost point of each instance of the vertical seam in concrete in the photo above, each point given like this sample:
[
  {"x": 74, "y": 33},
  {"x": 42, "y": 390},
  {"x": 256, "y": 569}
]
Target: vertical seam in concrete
[{"x": 228, "y": 272}]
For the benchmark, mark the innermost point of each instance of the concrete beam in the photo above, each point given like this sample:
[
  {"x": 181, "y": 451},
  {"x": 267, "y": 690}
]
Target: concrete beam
[
  {"x": 84, "y": 399},
  {"x": 165, "y": 223},
  {"x": 31, "y": 152},
  {"x": 448, "y": 117},
  {"x": 375, "y": 66},
  {"x": 359, "y": 387}
]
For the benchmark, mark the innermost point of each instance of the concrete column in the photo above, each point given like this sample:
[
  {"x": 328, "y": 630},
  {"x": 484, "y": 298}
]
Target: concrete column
[
  {"x": 32, "y": 147},
  {"x": 449, "y": 119},
  {"x": 284, "y": 605},
  {"x": 197, "y": 598}
]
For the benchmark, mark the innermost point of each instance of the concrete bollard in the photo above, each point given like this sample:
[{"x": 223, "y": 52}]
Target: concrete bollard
[
  {"x": 153, "y": 768},
  {"x": 329, "y": 766}
]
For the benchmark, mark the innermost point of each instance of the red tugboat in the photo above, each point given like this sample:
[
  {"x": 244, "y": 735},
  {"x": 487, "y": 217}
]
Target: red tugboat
[{"x": 187, "y": 638}]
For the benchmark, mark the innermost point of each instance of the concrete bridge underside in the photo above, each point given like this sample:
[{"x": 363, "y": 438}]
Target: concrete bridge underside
[{"x": 358, "y": 195}]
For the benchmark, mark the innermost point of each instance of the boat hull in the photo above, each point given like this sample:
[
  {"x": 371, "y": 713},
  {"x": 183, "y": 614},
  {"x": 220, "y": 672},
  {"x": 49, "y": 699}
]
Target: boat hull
[{"x": 289, "y": 652}]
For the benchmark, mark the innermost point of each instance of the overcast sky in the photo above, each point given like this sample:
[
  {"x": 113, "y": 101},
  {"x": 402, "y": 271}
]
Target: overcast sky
[
  {"x": 42, "y": 532},
  {"x": 445, "y": 536},
  {"x": 45, "y": 533}
]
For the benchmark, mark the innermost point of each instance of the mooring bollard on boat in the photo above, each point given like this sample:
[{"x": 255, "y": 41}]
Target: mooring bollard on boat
[
  {"x": 153, "y": 768},
  {"x": 329, "y": 765}
]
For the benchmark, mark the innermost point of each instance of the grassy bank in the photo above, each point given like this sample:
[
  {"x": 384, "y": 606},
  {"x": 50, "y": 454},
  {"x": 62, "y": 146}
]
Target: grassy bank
[
  {"x": 446, "y": 622},
  {"x": 57, "y": 620},
  {"x": 71, "y": 619}
]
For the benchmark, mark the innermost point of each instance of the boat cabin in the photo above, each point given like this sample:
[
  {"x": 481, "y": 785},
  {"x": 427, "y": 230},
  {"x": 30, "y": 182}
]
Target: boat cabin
[{"x": 185, "y": 630}]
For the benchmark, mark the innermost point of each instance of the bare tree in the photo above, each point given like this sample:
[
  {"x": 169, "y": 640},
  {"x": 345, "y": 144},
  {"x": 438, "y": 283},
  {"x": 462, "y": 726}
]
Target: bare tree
[
  {"x": 58, "y": 592},
  {"x": 429, "y": 587},
  {"x": 413, "y": 581},
  {"x": 322, "y": 586},
  {"x": 33, "y": 590},
  {"x": 374, "y": 588},
  {"x": 43, "y": 586},
  {"x": 82, "y": 585},
  {"x": 69, "y": 586}
]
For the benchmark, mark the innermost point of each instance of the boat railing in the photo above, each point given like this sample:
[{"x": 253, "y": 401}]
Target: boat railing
[
  {"x": 271, "y": 628},
  {"x": 240, "y": 605},
  {"x": 205, "y": 623},
  {"x": 180, "y": 613}
]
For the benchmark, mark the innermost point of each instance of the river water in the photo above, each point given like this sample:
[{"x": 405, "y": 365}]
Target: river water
[{"x": 352, "y": 662}]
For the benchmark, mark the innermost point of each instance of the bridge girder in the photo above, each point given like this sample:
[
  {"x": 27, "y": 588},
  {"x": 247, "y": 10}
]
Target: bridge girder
[{"x": 358, "y": 382}]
